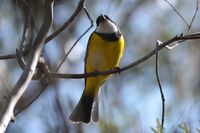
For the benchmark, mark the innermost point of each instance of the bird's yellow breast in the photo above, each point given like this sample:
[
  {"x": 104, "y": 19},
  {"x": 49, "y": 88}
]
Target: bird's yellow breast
[{"x": 101, "y": 55}]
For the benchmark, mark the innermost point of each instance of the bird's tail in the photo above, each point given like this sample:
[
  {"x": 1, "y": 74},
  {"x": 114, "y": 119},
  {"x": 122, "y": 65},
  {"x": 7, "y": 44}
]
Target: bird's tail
[{"x": 82, "y": 112}]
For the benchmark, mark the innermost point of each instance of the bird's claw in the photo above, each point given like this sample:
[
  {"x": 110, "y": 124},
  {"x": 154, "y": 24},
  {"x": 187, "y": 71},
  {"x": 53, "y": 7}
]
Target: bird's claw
[{"x": 117, "y": 70}]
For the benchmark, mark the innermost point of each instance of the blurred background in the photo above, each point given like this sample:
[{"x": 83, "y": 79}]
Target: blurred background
[{"x": 129, "y": 102}]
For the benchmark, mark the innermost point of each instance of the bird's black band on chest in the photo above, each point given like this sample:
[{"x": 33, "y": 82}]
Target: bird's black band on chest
[{"x": 110, "y": 37}]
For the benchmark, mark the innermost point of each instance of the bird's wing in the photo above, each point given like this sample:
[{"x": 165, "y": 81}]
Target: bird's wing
[{"x": 86, "y": 55}]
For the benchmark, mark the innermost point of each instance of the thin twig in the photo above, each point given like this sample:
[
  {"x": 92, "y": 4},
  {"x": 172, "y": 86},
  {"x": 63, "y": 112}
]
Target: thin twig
[
  {"x": 195, "y": 13},
  {"x": 27, "y": 35},
  {"x": 66, "y": 55},
  {"x": 69, "y": 21},
  {"x": 177, "y": 12},
  {"x": 6, "y": 57},
  {"x": 60, "y": 112},
  {"x": 160, "y": 87}
]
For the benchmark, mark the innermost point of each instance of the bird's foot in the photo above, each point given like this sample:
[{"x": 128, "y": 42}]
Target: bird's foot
[{"x": 117, "y": 70}]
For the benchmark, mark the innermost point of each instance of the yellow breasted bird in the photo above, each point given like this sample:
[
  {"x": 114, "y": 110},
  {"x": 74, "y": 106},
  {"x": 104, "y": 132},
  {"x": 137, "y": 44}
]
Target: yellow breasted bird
[{"x": 104, "y": 51}]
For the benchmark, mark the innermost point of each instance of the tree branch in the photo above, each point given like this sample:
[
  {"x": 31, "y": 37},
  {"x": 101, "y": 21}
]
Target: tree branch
[
  {"x": 27, "y": 36},
  {"x": 195, "y": 13},
  {"x": 191, "y": 36},
  {"x": 6, "y": 57},
  {"x": 21, "y": 85}
]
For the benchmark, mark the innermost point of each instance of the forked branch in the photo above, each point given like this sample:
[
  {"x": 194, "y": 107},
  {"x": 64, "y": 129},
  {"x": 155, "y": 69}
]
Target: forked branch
[{"x": 21, "y": 85}]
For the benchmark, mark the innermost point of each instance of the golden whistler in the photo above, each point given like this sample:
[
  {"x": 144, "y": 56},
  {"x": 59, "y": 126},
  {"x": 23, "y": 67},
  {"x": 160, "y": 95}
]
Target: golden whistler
[{"x": 104, "y": 51}]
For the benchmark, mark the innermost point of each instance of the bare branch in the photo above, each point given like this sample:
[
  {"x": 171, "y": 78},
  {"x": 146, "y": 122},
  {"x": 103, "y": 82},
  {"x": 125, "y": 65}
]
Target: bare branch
[
  {"x": 191, "y": 36},
  {"x": 21, "y": 85},
  {"x": 20, "y": 59},
  {"x": 160, "y": 87},
  {"x": 91, "y": 21},
  {"x": 6, "y": 57},
  {"x": 60, "y": 111},
  {"x": 177, "y": 12}
]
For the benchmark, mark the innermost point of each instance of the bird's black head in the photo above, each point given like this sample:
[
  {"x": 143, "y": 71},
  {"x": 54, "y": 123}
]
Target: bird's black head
[{"x": 102, "y": 18}]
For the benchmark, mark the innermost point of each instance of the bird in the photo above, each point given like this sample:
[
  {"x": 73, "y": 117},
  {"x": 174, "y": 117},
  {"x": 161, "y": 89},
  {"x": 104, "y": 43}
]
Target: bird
[{"x": 104, "y": 50}]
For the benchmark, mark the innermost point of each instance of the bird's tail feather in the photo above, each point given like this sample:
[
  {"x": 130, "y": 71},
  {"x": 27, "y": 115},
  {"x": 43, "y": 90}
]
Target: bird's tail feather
[
  {"x": 82, "y": 112},
  {"x": 95, "y": 109}
]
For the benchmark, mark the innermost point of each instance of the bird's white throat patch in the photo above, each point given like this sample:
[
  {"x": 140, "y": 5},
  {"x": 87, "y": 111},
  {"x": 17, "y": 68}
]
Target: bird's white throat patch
[{"x": 107, "y": 27}]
